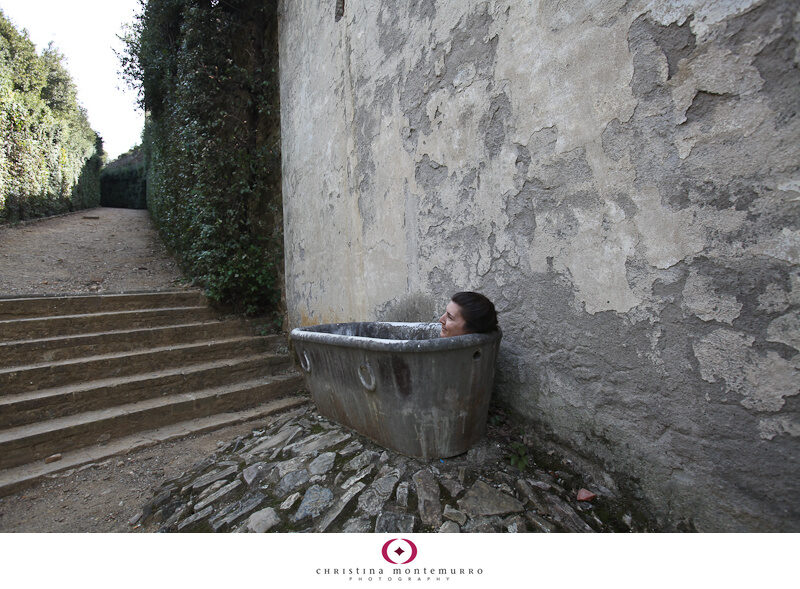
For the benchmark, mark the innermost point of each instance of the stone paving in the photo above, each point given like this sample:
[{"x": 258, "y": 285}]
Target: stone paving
[{"x": 304, "y": 473}]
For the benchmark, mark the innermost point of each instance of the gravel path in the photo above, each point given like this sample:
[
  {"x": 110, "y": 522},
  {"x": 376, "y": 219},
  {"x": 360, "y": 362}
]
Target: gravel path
[
  {"x": 97, "y": 250},
  {"x": 105, "y": 496},
  {"x": 91, "y": 251}
]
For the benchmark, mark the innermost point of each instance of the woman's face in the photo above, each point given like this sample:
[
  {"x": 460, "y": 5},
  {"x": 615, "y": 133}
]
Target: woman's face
[{"x": 452, "y": 321}]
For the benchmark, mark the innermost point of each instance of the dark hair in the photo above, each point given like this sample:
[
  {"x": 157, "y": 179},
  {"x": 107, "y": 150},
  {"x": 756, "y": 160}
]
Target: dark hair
[{"x": 478, "y": 311}]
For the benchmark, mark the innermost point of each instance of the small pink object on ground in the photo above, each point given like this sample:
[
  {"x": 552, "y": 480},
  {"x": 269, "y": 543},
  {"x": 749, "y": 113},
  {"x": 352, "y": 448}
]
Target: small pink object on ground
[
  {"x": 584, "y": 495},
  {"x": 53, "y": 458}
]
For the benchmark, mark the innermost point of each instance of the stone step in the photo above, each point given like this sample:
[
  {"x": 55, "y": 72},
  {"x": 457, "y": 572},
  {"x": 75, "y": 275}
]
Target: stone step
[
  {"x": 20, "y": 477},
  {"x": 37, "y": 441},
  {"x": 36, "y": 377},
  {"x": 62, "y": 325},
  {"x": 53, "y": 349},
  {"x": 52, "y": 403},
  {"x": 49, "y": 306},
  {"x": 82, "y": 370}
]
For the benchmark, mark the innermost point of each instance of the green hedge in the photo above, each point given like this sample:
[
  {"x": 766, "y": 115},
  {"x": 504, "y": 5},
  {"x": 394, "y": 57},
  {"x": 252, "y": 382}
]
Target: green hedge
[
  {"x": 123, "y": 182},
  {"x": 51, "y": 158},
  {"x": 207, "y": 76}
]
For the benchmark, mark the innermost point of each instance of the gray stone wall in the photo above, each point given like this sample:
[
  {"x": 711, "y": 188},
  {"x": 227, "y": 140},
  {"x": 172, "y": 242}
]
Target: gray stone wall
[{"x": 620, "y": 177}]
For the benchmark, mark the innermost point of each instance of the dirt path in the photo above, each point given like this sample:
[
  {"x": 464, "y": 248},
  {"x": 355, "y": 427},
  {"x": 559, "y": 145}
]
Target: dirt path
[
  {"x": 105, "y": 496},
  {"x": 96, "y": 250}
]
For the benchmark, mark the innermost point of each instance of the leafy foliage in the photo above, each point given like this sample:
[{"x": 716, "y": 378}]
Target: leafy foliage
[
  {"x": 518, "y": 456},
  {"x": 206, "y": 74},
  {"x": 50, "y": 158},
  {"x": 123, "y": 181}
]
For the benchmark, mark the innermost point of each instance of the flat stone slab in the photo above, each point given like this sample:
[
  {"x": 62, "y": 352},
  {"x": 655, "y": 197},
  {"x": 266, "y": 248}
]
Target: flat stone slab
[
  {"x": 237, "y": 511},
  {"x": 286, "y": 466},
  {"x": 428, "y": 503},
  {"x": 214, "y": 476},
  {"x": 483, "y": 524},
  {"x": 289, "y": 502},
  {"x": 339, "y": 507},
  {"x": 291, "y": 481},
  {"x": 483, "y": 499},
  {"x": 357, "y": 525},
  {"x": 322, "y": 463},
  {"x": 255, "y": 472},
  {"x": 326, "y": 440},
  {"x": 454, "y": 515},
  {"x": 453, "y": 487},
  {"x": 516, "y": 524},
  {"x": 351, "y": 448},
  {"x": 358, "y": 476},
  {"x": 262, "y": 521},
  {"x": 212, "y": 488},
  {"x": 540, "y": 524},
  {"x": 450, "y": 528},
  {"x": 390, "y": 522},
  {"x": 402, "y": 494},
  {"x": 271, "y": 442},
  {"x": 220, "y": 493},
  {"x": 362, "y": 460},
  {"x": 377, "y": 494},
  {"x": 562, "y": 512},
  {"x": 314, "y": 502},
  {"x": 194, "y": 519}
]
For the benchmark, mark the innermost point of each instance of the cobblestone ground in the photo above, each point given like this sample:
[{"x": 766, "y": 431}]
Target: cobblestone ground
[{"x": 304, "y": 473}]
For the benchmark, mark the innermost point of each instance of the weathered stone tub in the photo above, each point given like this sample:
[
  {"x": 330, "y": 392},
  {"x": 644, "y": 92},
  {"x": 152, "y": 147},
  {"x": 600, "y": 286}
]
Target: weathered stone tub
[{"x": 400, "y": 384}]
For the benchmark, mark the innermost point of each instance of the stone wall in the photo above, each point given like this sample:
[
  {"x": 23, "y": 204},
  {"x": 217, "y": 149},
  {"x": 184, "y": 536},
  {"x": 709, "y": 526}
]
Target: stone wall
[{"x": 620, "y": 177}]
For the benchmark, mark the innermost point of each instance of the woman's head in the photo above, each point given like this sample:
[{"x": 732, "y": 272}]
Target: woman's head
[{"x": 468, "y": 312}]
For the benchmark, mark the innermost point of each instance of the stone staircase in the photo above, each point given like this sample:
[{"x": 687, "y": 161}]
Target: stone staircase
[{"x": 86, "y": 377}]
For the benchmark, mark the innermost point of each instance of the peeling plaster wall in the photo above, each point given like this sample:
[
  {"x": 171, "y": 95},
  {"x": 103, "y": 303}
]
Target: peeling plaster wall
[{"x": 620, "y": 177}]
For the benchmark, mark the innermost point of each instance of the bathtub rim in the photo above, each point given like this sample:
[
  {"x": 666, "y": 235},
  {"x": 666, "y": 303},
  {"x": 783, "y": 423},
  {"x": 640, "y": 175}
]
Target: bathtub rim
[{"x": 309, "y": 335}]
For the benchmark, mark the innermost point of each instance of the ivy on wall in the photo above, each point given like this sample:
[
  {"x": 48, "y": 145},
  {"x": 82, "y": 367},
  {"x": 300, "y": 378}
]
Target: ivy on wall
[
  {"x": 207, "y": 76},
  {"x": 50, "y": 158}
]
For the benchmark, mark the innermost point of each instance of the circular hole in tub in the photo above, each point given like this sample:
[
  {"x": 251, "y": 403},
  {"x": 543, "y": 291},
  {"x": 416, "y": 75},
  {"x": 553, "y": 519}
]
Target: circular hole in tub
[{"x": 476, "y": 355}]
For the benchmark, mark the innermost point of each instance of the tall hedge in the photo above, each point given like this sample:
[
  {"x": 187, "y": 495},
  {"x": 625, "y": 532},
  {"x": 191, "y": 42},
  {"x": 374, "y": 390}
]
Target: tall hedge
[
  {"x": 207, "y": 72},
  {"x": 50, "y": 158},
  {"x": 123, "y": 182}
]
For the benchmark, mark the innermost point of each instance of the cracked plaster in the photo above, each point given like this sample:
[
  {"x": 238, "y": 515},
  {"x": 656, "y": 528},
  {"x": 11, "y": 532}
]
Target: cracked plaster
[{"x": 618, "y": 173}]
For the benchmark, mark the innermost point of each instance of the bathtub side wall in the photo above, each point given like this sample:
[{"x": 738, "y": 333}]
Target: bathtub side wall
[
  {"x": 620, "y": 177},
  {"x": 428, "y": 405}
]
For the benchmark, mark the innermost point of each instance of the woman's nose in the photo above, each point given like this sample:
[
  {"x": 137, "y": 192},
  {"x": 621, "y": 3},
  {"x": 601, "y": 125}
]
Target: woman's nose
[{"x": 441, "y": 319}]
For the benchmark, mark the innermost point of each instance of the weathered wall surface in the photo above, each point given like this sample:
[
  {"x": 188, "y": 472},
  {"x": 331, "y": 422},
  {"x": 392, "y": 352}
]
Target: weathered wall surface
[{"x": 620, "y": 177}]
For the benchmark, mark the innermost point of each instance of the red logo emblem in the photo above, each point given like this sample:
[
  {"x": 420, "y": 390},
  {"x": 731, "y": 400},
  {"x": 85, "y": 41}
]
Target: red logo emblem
[{"x": 399, "y": 551}]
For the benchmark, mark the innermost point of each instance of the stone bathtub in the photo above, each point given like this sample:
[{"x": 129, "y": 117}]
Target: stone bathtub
[{"x": 400, "y": 384}]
